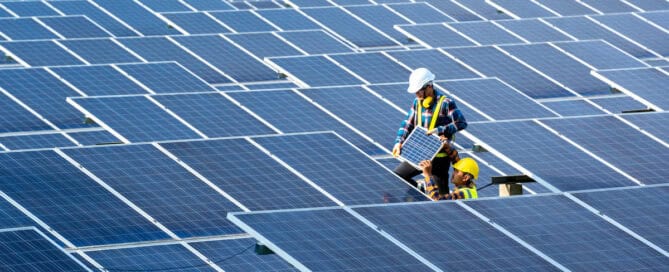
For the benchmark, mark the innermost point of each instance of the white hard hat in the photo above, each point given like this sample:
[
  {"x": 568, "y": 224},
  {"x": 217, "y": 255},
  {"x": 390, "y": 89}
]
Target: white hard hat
[{"x": 418, "y": 79}]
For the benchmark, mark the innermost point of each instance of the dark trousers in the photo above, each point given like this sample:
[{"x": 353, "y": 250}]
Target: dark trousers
[{"x": 440, "y": 167}]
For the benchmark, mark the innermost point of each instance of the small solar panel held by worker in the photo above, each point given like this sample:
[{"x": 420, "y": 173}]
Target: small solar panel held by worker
[{"x": 420, "y": 146}]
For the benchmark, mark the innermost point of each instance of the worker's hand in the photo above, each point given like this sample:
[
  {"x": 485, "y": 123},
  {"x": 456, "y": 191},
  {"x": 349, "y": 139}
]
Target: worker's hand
[
  {"x": 397, "y": 149},
  {"x": 443, "y": 138},
  {"x": 433, "y": 131},
  {"x": 427, "y": 167}
]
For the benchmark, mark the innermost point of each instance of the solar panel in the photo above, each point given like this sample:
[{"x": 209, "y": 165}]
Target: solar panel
[
  {"x": 137, "y": 16},
  {"x": 607, "y": 6},
  {"x": 24, "y": 29},
  {"x": 14, "y": 118},
  {"x": 270, "y": 86},
  {"x": 439, "y": 64},
  {"x": 560, "y": 67},
  {"x": 650, "y": 4},
  {"x": 98, "y": 80},
  {"x": 493, "y": 97},
  {"x": 100, "y": 137},
  {"x": 263, "y": 44},
  {"x": 308, "y": 236},
  {"x": 619, "y": 144},
  {"x": 572, "y": 107},
  {"x": 343, "y": 171},
  {"x": 434, "y": 35},
  {"x": 373, "y": 67},
  {"x": 420, "y": 12},
  {"x": 571, "y": 235},
  {"x": 457, "y": 12},
  {"x": 264, "y": 4},
  {"x": 485, "y": 33},
  {"x": 209, "y": 5},
  {"x": 70, "y": 202},
  {"x": 619, "y": 104},
  {"x": 419, "y": 147},
  {"x": 247, "y": 260},
  {"x": 315, "y": 42},
  {"x": 162, "y": 49},
  {"x": 567, "y": 8},
  {"x": 494, "y": 63},
  {"x": 165, "y": 5},
  {"x": 314, "y": 71},
  {"x": 382, "y": 18},
  {"x": 95, "y": 14},
  {"x": 99, "y": 51},
  {"x": 534, "y": 30},
  {"x": 655, "y": 123},
  {"x": 482, "y": 8},
  {"x": 247, "y": 174},
  {"x": 158, "y": 257},
  {"x": 288, "y": 19},
  {"x": 40, "y": 53},
  {"x": 32, "y": 141},
  {"x": 31, "y": 8},
  {"x": 600, "y": 54},
  {"x": 310, "y": 3},
  {"x": 660, "y": 18},
  {"x": 160, "y": 187},
  {"x": 196, "y": 23},
  {"x": 75, "y": 27},
  {"x": 165, "y": 77},
  {"x": 135, "y": 117},
  {"x": 645, "y": 85},
  {"x": 13, "y": 217},
  {"x": 651, "y": 37},
  {"x": 242, "y": 21},
  {"x": 27, "y": 249},
  {"x": 490, "y": 166},
  {"x": 542, "y": 153},
  {"x": 521, "y": 9},
  {"x": 289, "y": 112},
  {"x": 347, "y": 26}
]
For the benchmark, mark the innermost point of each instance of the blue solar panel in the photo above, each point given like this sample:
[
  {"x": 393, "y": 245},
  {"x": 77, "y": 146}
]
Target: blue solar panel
[
  {"x": 571, "y": 107},
  {"x": 439, "y": 64},
  {"x": 94, "y": 137},
  {"x": 263, "y": 44},
  {"x": 607, "y": 6},
  {"x": 373, "y": 67},
  {"x": 660, "y": 18},
  {"x": 485, "y": 33},
  {"x": 543, "y": 154},
  {"x": 350, "y": 28},
  {"x": 214, "y": 115},
  {"x": 330, "y": 240},
  {"x": 567, "y": 8},
  {"x": 419, "y": 147},
  {"x": 311, "y": 3},
  {"x": 647, "y": 85},
  {"x": 75, "y": 27},
  {"x": 24, "y": 29},
  {"x": 136, "y": 118},
  {"x": 95, "y": 14},
  {"x": 486, "y": 162},
  {"x": 209, "y": 4},
  {"x": 165, "y": 77},
  {"x": 484, "y": 9},
  {"x": 413, "y": 225},
  {"x": 14, "y": 118},
  {"x": 196, "y": 23},
  {"x": 650, "y": 4},
  {"x": 33, "y": 141},
  {"x": 26, "y": 249},
  {"x": 162, "y": 257},
  {"x": 136, "y": 16},
  {"x": 493, "y": 97},
  {"x": 534, "y": 30},
  {"x": 228, "y": 58},
  {"x": 619, "y": 144},
  {"x": 288, "y": 19},
  {"x": 655, "y": 123},
  {"x": 619, "y": 104},
  {"x": 165, "y": 5},
  {"x": 343, "y": 171},
  {"x": 162, "y": 49},
  {"x": 268, "y": 86},
  {"x": 381, "y": 18},
  {"x": 315, "y": 71},
  {"x": 98, "y": 80},
  {"x": 160, "y": 187},
  {"x": 600, "y": 54},
  {"x": 560, "y": 67},
  {"x": 242, "y": 21},
  {"x": 494, "y": 63},
  {"x": 11, "y": 217},
  {"x": 522, "y": 8},
  {"x": 31, "y": 8},
  {"x": 571, "y": 235},
  {"x": 99, "y": 51},
  {"x": 315, "y": 42},
  {"x": 420, "y": 12},
  {"x": 454, "y": 10},
  {"x": 247, "y": 260},
  {"x": 435, "y": 35},
  {"x": 651, "y": 37},
  {"x": 643, "y": 216},
  {"x": 248, "y": 175},
  {"x": 380, "y": 119},
  {"x": 264, "y": 4},
  {"x": 41, "y": 53},
  {"x": 43, "y": 93},
  {"x": 70, "y": 202},
  {"x": 584, "y": 29}
]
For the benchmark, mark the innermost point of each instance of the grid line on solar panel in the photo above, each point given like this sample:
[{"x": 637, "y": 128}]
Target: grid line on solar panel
[
  {"x": 599, "y": 54},
  {"x": 98, "y": 80},
  {"x": 486, "y": 33},
  {"x": 39, "y": 53},
  {"x": 137, "y": 16},
  {"x": 29, "y": 8},
  {"x": 521, "y": 9},
  {"x": 372, "y": 67},
  {"x": 27, "y": 249},
  {"x": 434, "y": 35},
  {"x": 167, "y": 77},
  {"x": 648, "y": 36},
  {"x": 91, "y": 10},
  {"x": 246, "y": 261},
  {"x": 533, "y": 30},
  {"x": 147, "y": 258},
  {"x": 24, "y": 29},
  {"x": 643, "y": 84},
  {"x": 312, "y": 42},
  {"x": 99, "y": 51},
  {"x": 420, "y": 12},
  {"x": 76, "y": 26},
  {"x": 314, "y": 71},
  {"x": 197, "y": 22},
  {"x": 420, "y": 146},
  {"x": 242, "y": 21},
  {"x": 15, "y": 118},
  {"x": 657, "y": 124},
  {"x": 380, "y": 17},
  {"x": 35, "y": 141},
  {"x": 264, "y": 44}
]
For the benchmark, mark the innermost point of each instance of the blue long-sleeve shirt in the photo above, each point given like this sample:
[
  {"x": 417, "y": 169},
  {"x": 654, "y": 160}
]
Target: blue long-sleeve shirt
[{"x": 450, "y": 119}]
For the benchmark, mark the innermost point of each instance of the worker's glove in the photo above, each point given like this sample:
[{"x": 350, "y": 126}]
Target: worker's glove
[{"x": 397, "y": 149}]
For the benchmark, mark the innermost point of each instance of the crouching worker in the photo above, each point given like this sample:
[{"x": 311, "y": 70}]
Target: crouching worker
[{"x": 465, "y": 171}]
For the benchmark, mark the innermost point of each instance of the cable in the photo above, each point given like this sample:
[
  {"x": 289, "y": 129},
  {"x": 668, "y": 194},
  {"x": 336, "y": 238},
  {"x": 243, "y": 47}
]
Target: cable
[{"x": 182, "y": 267}]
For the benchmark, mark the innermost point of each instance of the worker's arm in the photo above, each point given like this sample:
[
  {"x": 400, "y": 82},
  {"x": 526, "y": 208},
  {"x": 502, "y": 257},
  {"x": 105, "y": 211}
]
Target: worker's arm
[
  {"x": 407, "y": 125},
  {"x": 431, "y": 187},
  {"x": 457, "y": 120}
]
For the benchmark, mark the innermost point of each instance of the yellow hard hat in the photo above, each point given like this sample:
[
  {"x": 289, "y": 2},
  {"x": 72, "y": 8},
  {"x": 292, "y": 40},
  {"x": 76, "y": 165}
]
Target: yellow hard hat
[{"x": 468, "y": 165}]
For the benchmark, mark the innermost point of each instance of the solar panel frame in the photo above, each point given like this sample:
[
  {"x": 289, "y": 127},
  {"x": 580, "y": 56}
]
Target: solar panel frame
[
  {"x": 264, "y": 44},
  {"x": 24, "y": 29},
  {"x": 166, "y": 77},
  {"x": 485, "y": 33},
  {"x": 606, "y": 6},
  {"x": 116, "y": 27},
  {"x": 97, "y": 80},
  {"x": 313, "y": 71},
  {"x": 15, "y": 118},
  {"x": 373, "y": 67},
  {"x": 157, "y": 257},
  {"x": 643, "y": 84},
  {"x": 600, "y": 54},
  {"x": 637, "y": 29},
  {"x": 533, "y": 30},
  {"x": 420, "y": 146},
  {"x": 77, "y": 26},
  {"x": 165, "y": 6},
  {"x": 420, "y": 12},
  {"x": 40, "y": 53},
  {"x": 99, "y": 51},
  {"x": 572, "y": 107},
  {"x": 207, "y": 5},
  {"x": 26, "y": 249},
  {"x": 29, "y": 8},
  {"x": 567, "y": 8},
  {"x": 288, "y": 19},
  {"x": 315, "y": 42},
  {"x": 246, "y": 261},
  {"x": 197, "y": 23},
  {"x": 382, "y": 18},
  {"x": 434, "y": 35},
  {"x": 137, "y": 16},
  {"x": 35, "y": 141},
  {"x": 242, "y": 21}
]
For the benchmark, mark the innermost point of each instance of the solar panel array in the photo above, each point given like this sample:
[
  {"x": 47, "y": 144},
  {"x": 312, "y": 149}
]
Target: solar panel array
[{"x": 183, "y": 134}]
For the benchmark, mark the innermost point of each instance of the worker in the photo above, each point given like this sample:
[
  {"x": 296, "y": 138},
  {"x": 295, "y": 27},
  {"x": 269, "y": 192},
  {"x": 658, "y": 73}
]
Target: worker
[
  {"x": 465, "y": 171},
  {"x": 437, "y": 113}
]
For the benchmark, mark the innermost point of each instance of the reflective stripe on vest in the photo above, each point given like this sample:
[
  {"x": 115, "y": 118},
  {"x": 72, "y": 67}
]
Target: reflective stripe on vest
[
  {"x": 469, "y": 192},
  {"x": 435, "y": 114}
]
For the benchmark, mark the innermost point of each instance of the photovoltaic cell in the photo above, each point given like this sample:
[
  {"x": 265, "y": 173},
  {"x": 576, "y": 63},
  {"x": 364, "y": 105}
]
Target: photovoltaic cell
[
  {"x": 381, "y": 18},
  {"x": 523, "y": 8},
  {"x": 165, "y": 5},
  {"x": 75, "y": 27},
  {"x": 485, "y": 33},
  {"x": 196, "y": 23},
  {"x": 600, "y": 55},
  {"x": 619, "y": 144},
  {"x": 263, "y": 44},
  {"x": 166, "y": 77},
  {"x": 343, "y": 171},
  {"x": 482, "y": 8},
  {"x": 569, "y": 234},
  {"x": 655, "y": 123},
  {"x": 268, "y": 86},
  {"x": 619, "y": 104},
  {"x": 373, "y": 67},
  {"x": 14, "y": 118},
  {"x": 311, "y": 3},
  {"x": 264, "y": 4},
  {"x": 98, "y": 80},
  {"x": 420, "y": 12},
  {"x": 660, "y": 18},
  {"x": 650, "y": 4},
  {"x": 315, "y": 71},
  {"x": 648, "y": 83},
  {"x": 24, "y": 29},
  {"x": 542, "y": 153},
  {"x": 31, "y": 8},
  {"x": 607, "y": 6},
  {"x": 248, "y": 175},
  {"x": 567, "y": 8},
  {"x": 454, "y": 10},
  {"x": 41, "y": 53},
  {"x": 419, "y": 146},
  {"x": 13, "y": 217},
  {"x": 571, "y": 107},
  {"x": 205, "y": 5},
  {"x": 351, "y": 245},
  {"x": 242, "y": 21},
  {"x": 161, "y": 257},
  {"x": 439, "y": 64},
  {"x": 635, "y": 28},
  {"x": 435, "y": 35},
  {"x": 160, "y": 187},
  {"x": 138, "y": 17},
  {"x": 534, "y": 30},
  {"x": 99, "y": 51},
  {"x": 248, "y": 260},
  {"x": 28, "y": 250},
  {"x": 95, "y": 14},
  {"x": 315, "y": 42},
  {"x": 214, "y": 115},
  {"x": 100, "y": 137},
  {"x": 136, "y": 118},
  {"x": 33, "y": 141},
  {"x": 70, "y": 202},
  {"x": 288, "y": 19},
  {"x": 350, "y": 28},
  {"x": 413, "y": 225}
]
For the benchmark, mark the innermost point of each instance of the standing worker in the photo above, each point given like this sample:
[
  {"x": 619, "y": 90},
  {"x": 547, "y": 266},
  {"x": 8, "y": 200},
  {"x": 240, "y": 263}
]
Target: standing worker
[
  {"x": 439, "y": 115},
  {"x": 465, "y": 171}
]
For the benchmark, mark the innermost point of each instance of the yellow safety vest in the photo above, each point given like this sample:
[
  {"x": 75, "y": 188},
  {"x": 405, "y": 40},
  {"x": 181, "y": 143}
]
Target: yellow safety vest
[
  {"x": 469, "y": 192},
  {"x": 433, "y": 121}
]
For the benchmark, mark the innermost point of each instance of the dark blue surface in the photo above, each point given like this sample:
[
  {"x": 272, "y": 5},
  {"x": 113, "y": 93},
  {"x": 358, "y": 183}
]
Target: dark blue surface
[
  {"x": 137, "y": 16},
  {"x": 247, "y": 260},
  {"x": 27, "y": 250},
  {"x": 209, "y": 4},
  {"x": 534, "y": 30},
  {"x": 316, "y": 71},
  {"x": 35, "y": 141},
  {"x": 166, "y": 77},
  {"x": 95, "y": 14},
  {"x": 647, "y": 83},
  {"x": 419, "y": 146},
  {"x": 481, "y": 7},
  {"x": 438, "y": 63},
  {"x": 436, "y": 35},
  {"x": 99, "y": 51},
  {"x": 75, "y": 27},
  {"x": 247, "y": 174},
  {"x": 315, "y": 42},
  {"x": 214, "y": 115},
  {"x": 242, "y": 21},
  {"x": 165, "y": 5},
  {"x": 373, "y": 67},
  {"x": 600, "y": 55},
  {"x": 14, "y": 118},
  {"x": 347, "y": 26},
  {"x": 454, "y": 10},
  {"x": 331, "y": 240},
  {"x": 41, "y": 53},
  {"x": 24, "y": 29},
  {"x": 571, "y": 235},
  {"x": 288, "y": 19},
  {"x": 524, "y": 8},
  {"x": 94, "y": 137},
  {"x": 160, "y": 187},
  {"x": 196, "y": 23},
  {"x": 31, "y": 8},
  {"x": 70, "y": 202},
  {"x": 11, "y": 217},
  {"x": 577, "y": 107},
  {"x": 420, "y": 12},
  {"x": 638, "y": 30},
  {"x": 164, "y": 257},
  {"x": 443, "y": 233},
  {"x": 267, "y": 86},
  {"x": 98, "y": 80},
  {"x": 343, "y": 171},
  {"x": 263, "y": 44},
  {"x": 485, "y": 33},
  {"x": 381, "y": 18}
]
